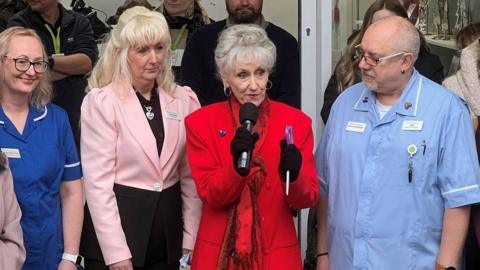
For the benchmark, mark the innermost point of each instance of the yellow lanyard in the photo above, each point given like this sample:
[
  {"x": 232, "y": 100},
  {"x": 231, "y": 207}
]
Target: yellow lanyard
[
  {"x": 179, "y": 37},
  {"x": 55, "y": 38}
]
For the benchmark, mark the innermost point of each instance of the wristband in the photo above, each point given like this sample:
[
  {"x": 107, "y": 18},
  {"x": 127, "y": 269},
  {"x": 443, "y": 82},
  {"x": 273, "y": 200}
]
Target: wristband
[
  {"x": 441, "y": 267},
  {"x": 321, "y": 254},
  {"x": 75, "y": 259}
]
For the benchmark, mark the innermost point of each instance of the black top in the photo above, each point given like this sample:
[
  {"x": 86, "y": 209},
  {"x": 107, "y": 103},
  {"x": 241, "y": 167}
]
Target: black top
[
  {"x": 152, "y": 107},
  {"x": 76, "y": 36},
  {"x": 200, "y": 73},
  {"x": 8, "y": 8},
  {"x": 194, "y": 23},
  {"x": 427, "y": 64}
]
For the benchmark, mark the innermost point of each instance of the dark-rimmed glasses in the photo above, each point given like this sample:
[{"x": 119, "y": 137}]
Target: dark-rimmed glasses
[
  {"x": 370, "y": 60},
  {"x": 22, "y": 64}
]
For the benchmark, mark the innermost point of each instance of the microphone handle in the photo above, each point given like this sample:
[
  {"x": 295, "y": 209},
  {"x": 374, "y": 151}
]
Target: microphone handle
[{"x": 243, "y": 164}]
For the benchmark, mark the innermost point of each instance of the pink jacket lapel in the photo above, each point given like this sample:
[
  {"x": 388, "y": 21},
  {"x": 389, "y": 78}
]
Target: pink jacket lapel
[{"x": 137, "y": 123}]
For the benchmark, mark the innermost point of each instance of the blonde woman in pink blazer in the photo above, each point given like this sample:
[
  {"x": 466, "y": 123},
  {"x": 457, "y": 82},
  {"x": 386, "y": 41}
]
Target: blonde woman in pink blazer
[
  {"x": 12, "y": 251},
  {"x": 143, "y": 209}
]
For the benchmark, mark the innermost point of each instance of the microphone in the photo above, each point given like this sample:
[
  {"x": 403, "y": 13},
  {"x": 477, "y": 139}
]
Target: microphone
[{"x": 248, "y": 117}]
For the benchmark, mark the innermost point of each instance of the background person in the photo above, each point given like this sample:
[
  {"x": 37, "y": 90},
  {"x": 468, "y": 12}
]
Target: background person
[
  {"x": 466, "y": 84},
  {"x": 69, "y": 41},
  {"x": 12, "y": 251},
  {"x": 198, "y": 64},
  {"x": 142, "y": 204},
  {"x": 184, "y": 17},
  {"x": 42, "y": 154},
  {"x": 246, "y": 219}
]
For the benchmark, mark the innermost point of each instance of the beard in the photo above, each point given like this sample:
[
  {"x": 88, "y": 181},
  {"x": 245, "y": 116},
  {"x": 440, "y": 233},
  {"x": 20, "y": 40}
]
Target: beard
[
  {"x": 244, "y": 14},
  {"x": 369, "y": 82}
]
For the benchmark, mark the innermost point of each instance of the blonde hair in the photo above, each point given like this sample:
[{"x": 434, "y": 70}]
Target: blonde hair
[
  {"x": 242, "y": 43},
  {"x": 136, "y": 26},
  {"x": 42, "y": 94}
]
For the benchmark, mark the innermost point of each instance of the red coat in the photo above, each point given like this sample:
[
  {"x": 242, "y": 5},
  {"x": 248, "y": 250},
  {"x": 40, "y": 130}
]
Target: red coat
[{"x": 219, "y": 186}]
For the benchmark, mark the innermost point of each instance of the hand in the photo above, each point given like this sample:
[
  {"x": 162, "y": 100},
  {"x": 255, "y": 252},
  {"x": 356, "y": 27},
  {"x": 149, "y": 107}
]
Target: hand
[
  {"x": 66, "y": 265},
  {"x": 290, "y": 160},
  {"x": 322, "y": 262},
  {"x": 121, "y": 265},
  {"x": 241, "y": 142}
]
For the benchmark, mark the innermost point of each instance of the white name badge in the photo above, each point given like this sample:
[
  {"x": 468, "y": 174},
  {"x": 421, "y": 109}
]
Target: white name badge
[
  {"x": 412, "y": 125},
  {"x": 173, "y": 115},
  {"x": 11, "y": 152},
  {"x": 356, "y": 127},
  {"x": 177, "y": 56}
]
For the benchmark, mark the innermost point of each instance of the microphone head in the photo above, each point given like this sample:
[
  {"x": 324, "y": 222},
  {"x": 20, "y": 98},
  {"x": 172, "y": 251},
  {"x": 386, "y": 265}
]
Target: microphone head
[{"x": 248, "y": 111}]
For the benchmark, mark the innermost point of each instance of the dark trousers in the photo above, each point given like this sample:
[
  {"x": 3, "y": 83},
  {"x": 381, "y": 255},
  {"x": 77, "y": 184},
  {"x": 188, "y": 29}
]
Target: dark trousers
[{"x": 152, "y": 223}]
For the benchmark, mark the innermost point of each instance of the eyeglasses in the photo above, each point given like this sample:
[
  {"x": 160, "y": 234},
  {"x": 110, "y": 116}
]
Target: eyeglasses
[
  {"x": 22, "y": 64},
  {"x": 372, "y": 61}
]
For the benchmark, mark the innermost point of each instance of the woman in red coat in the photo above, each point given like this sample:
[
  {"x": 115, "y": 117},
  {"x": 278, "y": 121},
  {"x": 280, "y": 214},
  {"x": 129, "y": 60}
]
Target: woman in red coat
[{"x": 246, "y": 221}]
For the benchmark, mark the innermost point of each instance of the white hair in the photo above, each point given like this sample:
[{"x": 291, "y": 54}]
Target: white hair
[{"x": 244, "y": 44}]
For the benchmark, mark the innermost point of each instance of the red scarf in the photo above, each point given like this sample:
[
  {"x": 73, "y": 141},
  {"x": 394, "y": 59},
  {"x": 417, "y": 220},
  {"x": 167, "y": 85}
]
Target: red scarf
[{"x": 242, "y": 243}]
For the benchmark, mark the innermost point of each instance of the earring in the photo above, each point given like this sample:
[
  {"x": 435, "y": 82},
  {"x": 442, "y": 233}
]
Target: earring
[
  {"x": 402, "y": 71},
  {"x": 227, "y": 90},
  {"x": 269, "y": 86}
]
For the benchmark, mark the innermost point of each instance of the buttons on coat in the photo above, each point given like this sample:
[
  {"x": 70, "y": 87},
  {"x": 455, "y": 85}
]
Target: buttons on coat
[{"x": 157, "y": 186}]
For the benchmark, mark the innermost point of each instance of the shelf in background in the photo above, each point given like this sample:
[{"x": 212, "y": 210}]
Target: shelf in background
[{"x": 450, "y": 44}]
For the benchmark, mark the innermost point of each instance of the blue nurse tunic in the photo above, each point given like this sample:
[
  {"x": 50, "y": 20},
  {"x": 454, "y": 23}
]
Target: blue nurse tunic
[
  {"x": 40, "y": 158},
  {"x": 379, "y": 215}
]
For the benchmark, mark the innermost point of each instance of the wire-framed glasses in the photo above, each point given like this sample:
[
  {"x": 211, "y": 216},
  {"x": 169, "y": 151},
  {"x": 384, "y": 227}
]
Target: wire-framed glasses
[
  {"x": 370, "y": 60},
  {"x": 22, "y": 64}
]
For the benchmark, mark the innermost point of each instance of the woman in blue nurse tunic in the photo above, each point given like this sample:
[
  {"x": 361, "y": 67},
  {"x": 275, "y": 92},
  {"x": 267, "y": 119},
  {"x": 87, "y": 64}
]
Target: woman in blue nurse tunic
[{"x": 36, "y": 137}]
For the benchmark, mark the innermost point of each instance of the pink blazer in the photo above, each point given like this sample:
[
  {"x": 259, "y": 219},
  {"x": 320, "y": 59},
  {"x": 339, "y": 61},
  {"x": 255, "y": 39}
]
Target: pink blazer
[
  {"x": 12, "y": 252},
  {"x": 117, "y": 146}
]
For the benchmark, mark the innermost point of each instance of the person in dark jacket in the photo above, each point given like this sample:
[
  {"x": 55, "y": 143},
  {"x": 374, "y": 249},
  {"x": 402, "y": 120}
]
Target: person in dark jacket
[
  {"x": 198, "y": 63},
  {"x": 8, "y": 8},
  {"x": 346, "y": 72},
  {"x": 69, "y": 42}
]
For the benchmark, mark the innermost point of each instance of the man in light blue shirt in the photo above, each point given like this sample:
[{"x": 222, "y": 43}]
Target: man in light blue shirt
[{"x": 396, "y": 162}]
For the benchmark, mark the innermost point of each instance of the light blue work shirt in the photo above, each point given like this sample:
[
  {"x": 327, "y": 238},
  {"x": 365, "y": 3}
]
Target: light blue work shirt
[
  {"x": 377, "y": 218},
  {"x": 41, "y": 158}
]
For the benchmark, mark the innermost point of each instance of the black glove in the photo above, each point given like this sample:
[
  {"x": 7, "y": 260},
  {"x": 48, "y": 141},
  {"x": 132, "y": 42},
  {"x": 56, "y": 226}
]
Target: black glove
[
  {"x": 290, "y": 159},
  {"x": 241, "y": 142}
]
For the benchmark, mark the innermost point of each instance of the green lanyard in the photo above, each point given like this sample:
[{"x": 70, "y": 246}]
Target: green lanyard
[
  {"x": 55, "y": 38},
  {"x": 179, "y": 37}
]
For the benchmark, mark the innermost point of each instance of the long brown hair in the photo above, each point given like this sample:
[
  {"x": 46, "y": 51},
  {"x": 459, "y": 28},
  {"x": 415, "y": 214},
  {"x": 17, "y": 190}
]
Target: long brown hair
[
  {"x": 467, "y": 35},
  {"x": 347, "y": 67}
]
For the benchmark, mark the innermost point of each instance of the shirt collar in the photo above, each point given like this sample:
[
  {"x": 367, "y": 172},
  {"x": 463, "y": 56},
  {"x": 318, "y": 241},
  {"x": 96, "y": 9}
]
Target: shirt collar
[
  {"x": 34, "y": 115},
  {"x": 407, "y": 103}
]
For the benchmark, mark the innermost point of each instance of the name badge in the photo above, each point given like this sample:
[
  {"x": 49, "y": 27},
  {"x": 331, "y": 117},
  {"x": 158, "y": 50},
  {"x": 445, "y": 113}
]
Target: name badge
[
  {"x": 11, "y": 152},
  {"x": 412, "y": 125},
  {"x": 356, "y": 127},
  {"x": 177, "y": 56},
  {"x": 173, "y": 115}
]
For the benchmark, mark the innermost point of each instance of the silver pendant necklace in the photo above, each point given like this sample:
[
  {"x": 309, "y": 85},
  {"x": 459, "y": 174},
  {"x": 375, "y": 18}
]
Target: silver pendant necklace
[{"x": 149, "y": 114}]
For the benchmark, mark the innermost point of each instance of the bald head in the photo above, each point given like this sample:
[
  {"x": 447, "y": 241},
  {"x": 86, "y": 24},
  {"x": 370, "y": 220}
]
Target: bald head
[{"x": 397, "y": 33}]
